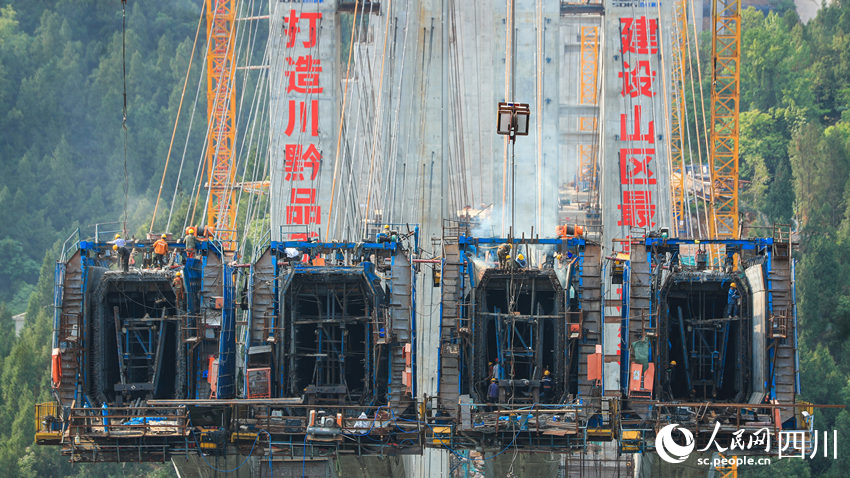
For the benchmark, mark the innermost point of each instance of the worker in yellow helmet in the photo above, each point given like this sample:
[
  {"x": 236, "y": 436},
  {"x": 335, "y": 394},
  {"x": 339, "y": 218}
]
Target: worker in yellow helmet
[
  {"x": 384, "y": 235},
  {"x": 118, "y": 241},
  {"x": 493, "y": 393},
  {"x": 191, "y": 242},
  {"x": 503, "y": 253},
  {"x": 732, "y": 300},
  {"x": 668, "y": 379},
  {"x": 160, "y": 250},
  {"x": 520, "y": 261},
  {"x": 179, "y": 290},
  {"x": 546, "y": 387},
  {"x": 123, "y": 255}
]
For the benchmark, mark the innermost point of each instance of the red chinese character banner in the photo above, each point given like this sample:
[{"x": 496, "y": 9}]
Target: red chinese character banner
[
  {"x": 635, "y": 194},
  {"x": 302, "y": 76}
]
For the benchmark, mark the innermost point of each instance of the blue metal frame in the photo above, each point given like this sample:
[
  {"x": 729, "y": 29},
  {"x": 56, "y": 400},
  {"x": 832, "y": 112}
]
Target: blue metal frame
[{"x": 624, "y": 329}]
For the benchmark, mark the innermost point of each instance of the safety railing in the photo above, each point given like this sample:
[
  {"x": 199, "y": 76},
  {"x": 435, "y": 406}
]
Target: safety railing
[
  {"x": 47, "y": 416},
  {"x": 128, "y": 421},
  {"x": 104, "y": 231},
  {"x": 780, "y": 324},
  {"x": 326, "y": 420},
  {"x": 69, "y": 249},
  {"x": 260, "y": 246}
]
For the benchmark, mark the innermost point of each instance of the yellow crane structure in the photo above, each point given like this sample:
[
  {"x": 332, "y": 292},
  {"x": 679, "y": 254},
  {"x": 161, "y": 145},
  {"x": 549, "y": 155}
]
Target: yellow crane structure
[
  {"x": 725, "y": 105},
  {"x": 588, "y": 95},
  {"x": 677, "y": 117},
  {"x": 221, "y": 130}
]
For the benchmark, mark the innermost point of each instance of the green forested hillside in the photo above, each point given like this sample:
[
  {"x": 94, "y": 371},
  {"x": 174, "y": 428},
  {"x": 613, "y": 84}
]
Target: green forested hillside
[
  {"x": 61, "y": 102},
  {"x": 61, "y": 150},
  {"x": 62, "y": 156}
]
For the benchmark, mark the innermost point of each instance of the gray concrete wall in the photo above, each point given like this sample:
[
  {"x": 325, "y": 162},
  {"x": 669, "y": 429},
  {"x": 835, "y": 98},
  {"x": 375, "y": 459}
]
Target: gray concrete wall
[{"x": 635, "y": 169}]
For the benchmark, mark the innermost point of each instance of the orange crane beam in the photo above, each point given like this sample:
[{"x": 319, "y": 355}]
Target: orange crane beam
[
  {"x": 725, "y": 105},
  {"x": 221, "y": 101},
  {"x": 588, "y": 95}
]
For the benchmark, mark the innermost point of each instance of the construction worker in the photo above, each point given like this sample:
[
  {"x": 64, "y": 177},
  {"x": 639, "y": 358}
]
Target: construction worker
[
  {"x": 503, "y": 253},
  {"x": 546, "y": 387},
  {"x": 123, "y": 255},
  {"x": 668, "y": 375},
  {"x": 493, "y": 393},
  {"x": 495, "y": 369},
  {"x": 732, "y": 300},
  {"x": 191, "y": 242},
  {"x": 384, "y": 235},
  {"x": 549, "y": 260},
  {"x": 160, "y": 250},
  {"x": 119, "y": 241},
  {"x": 520, "y": 261},
  {"x": 179, "y": 289}
]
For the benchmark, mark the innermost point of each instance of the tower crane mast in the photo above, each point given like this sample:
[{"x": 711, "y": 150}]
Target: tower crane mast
[
  {"x": 221, "y": 132},
  {"x": 725, "y": 105}
]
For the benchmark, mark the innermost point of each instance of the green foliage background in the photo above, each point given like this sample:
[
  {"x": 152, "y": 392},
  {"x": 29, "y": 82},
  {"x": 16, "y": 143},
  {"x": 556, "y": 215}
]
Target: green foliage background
[{"x": 61, "y": 152}]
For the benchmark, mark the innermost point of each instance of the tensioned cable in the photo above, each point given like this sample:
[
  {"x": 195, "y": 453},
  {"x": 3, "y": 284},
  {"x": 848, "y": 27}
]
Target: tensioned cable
[
  {"x": 705, "y": 197},
  {"x": 702, "y": 104},
  {"x": 394, "y": 141},
  {"x": 665, "y": 99},
  {"x": 377, "y": 117},
  {"x": 509, "y": 29},
  {"x": 342, "y": 115},
  {"x": 177, "y": 119},
  {"x": 124, "y": 116}
]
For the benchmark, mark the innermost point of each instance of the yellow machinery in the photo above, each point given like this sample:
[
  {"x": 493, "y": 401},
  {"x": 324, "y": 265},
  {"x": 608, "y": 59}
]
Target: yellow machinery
[
  {"x": 725, "y": 104},
  {"x": 221, "y": 132},
  {"x": 588, "y": 95},
  {"x": 48, "y": 423}
]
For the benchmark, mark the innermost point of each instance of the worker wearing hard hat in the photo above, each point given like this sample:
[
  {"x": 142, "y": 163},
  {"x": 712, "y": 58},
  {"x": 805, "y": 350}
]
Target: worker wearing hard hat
[
  {"x": 384, "y": 235},
  {"x": 493, "y": 393},
  {"x": 503, "y": 253},
  {"x": 160, "y": 251},
  {"x": 191, "y": 242},
  {"x": 520, "y": 261},
  {"x": 123, "y": 256},
  {"x": 179, "y": 289},
  {"x": 668, "y": 375},
  {"x": 118, "y": 241},
  {"x": 546, "y": 387},
  {"x": 732, "y": 300}
]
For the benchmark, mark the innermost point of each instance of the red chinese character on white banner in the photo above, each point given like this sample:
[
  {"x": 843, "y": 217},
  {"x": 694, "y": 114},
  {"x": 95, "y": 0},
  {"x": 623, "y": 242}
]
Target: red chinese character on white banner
[
  {"x": 636, "y": 135},
  {"x": 291, "y": 28},
  {"x": 305, "y": 77},
  {"x": 637, "y": 209},
  {"x": 304, "y": 110},
  {"x": 295, "y": 162},
  {"x": 634, "y": 166},
  {"x": 298, "y": 214},
  {"x": 639, "y": 35},
  {"x": 303, "y": 208},
  {"x": 638, "y": 80}
]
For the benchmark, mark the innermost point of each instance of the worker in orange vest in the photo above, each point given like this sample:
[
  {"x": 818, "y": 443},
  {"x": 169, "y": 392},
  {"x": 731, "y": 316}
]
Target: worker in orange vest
[
  {"x": 179, "y": 290},
  {"x": 160, "y": 250}
]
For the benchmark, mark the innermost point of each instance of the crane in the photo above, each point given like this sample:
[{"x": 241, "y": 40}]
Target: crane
[
  {"x": 725, "y": 105},
  {"x": 221, "y": 130}
]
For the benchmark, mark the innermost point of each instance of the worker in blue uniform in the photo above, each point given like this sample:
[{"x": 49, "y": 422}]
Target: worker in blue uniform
[
  {"x": 493, "y": 393},
  {"x": 732, "y": 301},
  {"x": 546, "y": 387}
]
